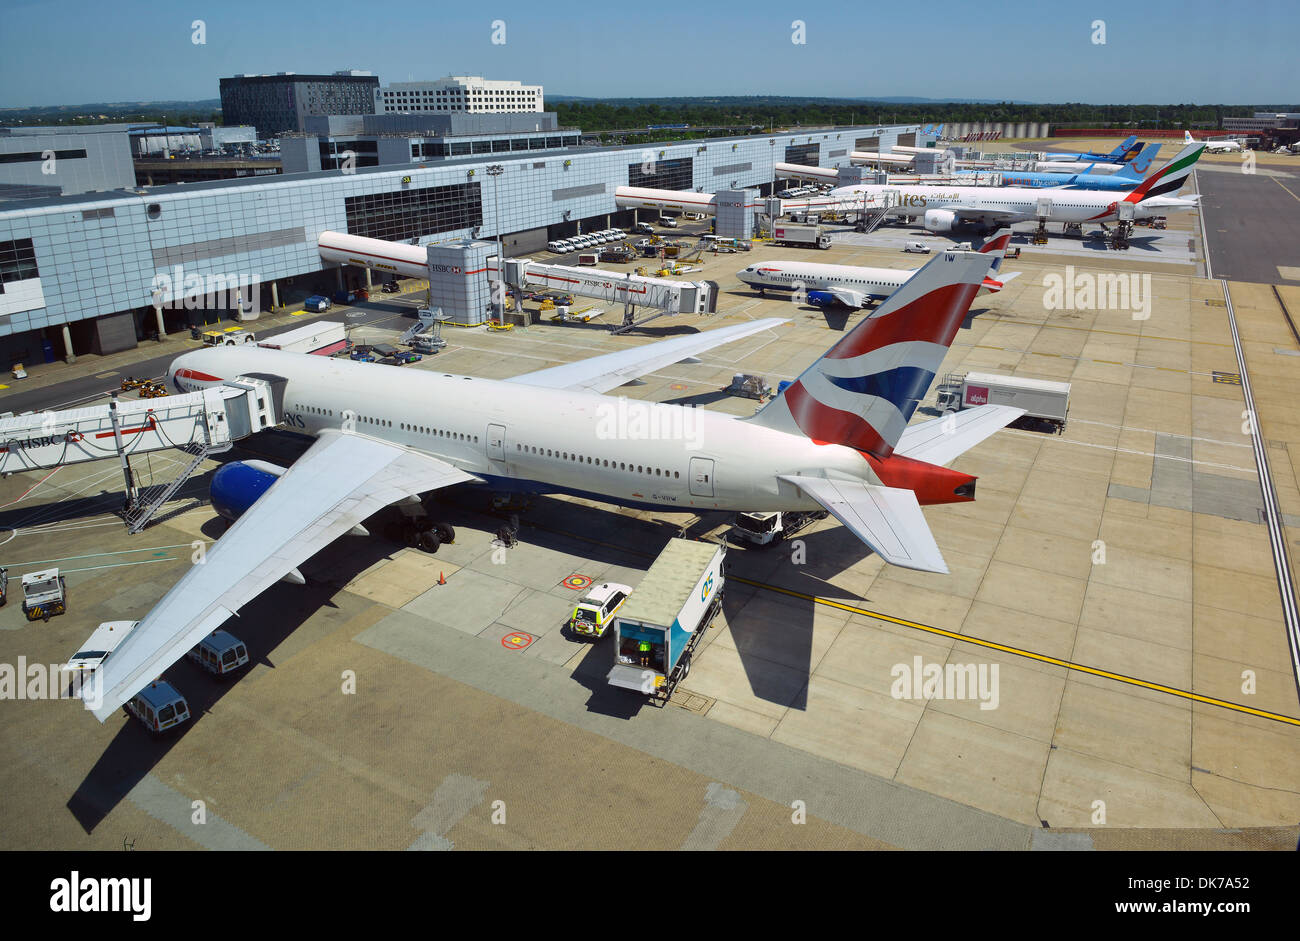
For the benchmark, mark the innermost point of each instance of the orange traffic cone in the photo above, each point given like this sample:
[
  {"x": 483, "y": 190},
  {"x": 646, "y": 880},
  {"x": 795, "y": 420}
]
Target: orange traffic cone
[{"x": 442, "y": 579}]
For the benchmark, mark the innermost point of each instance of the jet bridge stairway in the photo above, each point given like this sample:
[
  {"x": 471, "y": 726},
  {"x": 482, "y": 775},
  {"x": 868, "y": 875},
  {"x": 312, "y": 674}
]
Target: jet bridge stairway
[{"x": 138, "y": 512}]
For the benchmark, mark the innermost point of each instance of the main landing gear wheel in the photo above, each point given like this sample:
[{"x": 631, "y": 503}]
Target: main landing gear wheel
[
  {"x": 428, "y": 541},
  {"x": 446, "y": 534}
]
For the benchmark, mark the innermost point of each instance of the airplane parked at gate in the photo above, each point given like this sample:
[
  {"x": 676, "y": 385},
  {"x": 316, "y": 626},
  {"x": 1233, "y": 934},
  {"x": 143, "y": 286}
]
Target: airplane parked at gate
[
  {"x": 837, "y": 438},
  {"x": 943, "y": 208},
  {"x": 1126, "y": 177},
  {"x": 1215, "y": 146},
  {"x": 852, "y": 286}
]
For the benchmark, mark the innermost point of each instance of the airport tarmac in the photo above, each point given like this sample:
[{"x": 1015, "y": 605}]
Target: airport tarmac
[{"x": 1116, "y": 577}]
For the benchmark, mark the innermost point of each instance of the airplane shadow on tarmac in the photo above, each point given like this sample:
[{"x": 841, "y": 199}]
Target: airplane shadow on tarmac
[{"x": 263, "y": 624}]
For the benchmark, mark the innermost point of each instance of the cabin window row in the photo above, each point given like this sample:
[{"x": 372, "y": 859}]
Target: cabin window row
[{"x": 598, "y": 462}]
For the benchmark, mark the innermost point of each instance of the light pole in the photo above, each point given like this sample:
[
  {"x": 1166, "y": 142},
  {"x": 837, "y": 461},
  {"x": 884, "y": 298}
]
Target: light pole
[{"x": 499, "y": 297}]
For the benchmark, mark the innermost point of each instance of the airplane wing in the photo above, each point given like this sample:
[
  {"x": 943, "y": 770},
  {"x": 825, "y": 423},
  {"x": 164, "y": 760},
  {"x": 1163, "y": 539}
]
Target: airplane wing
[
  {"x": 887, "y": 519},
  {"x": 941, "y": 440},
  {"x": 602, "y": 373},
  {"x": 342, "y": 479},
  {"x": 847, "y": 296}
]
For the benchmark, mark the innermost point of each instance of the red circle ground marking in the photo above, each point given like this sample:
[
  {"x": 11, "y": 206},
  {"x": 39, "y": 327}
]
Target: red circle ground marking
[
  {"x": 576, "y": 582},
  {"x": 516, "y": 640}
]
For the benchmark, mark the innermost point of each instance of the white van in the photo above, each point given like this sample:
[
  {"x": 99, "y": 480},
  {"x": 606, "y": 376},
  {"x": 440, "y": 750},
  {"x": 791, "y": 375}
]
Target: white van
[
  {"x": 557, "y": 246},
  {"x": 160, "y": 707},
  {"x": 219, "y": 653},
  {"x": 644, "y": 228},
  {"x": 668, "y": 222},
  {"x": 919, "y": 247},
  {"x": 91, "y": 654}
]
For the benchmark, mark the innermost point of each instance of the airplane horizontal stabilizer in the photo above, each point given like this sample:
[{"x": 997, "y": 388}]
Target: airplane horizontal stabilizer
[
  {"x": 887, "y": 519},
  {"x": 941, "y": 440}
]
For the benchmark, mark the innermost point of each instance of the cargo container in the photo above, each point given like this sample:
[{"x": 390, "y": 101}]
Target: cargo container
[{"x": 658, "y": 628}]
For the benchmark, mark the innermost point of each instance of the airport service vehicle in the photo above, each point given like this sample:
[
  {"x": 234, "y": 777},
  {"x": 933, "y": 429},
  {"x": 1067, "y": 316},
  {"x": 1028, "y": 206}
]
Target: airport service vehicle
[
  {"x": 98, "y": 647},
  {"x": 1040, "y": 398},
  {"x": 853, "y": 286},
  {"x": 766, "y": 529},
  {"x": 943, "y": 208},
  {"x": 748, "y": 386},
  {"x": 219, "y": 653},
  {"x": 44, "y": 595},
  {"x": 595, "y": 613},
  {"x": 324, "y": 338},
  {"x": 557, "y": 247},
  {"x": 589, "y": 258},
  {"x": 160, "y": 707},
  {"x": 1215, "y": 146},
  {"x": 317, "y": 303},
  {"x": 658, "y": 629},
  {"x": 668, "y": 222},
  {"x": 808, "y": 236},
  {"x": 838, "y": 438},
  {"x": 231, "y": 336},
  {"x": 644, "y": 228},
  {"x": 918, "y": 247}
]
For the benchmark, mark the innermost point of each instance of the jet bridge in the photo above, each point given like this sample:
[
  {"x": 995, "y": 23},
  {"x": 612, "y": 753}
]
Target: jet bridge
[
  {"x": 199, "y": 423},
  {"x": 631, "y": 290}
]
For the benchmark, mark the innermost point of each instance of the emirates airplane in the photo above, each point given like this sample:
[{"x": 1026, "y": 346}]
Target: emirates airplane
[
  {"x": 837, "y": 438},
  {"x": 943, "y": 208},
  {"x": 854, "y": 286}
]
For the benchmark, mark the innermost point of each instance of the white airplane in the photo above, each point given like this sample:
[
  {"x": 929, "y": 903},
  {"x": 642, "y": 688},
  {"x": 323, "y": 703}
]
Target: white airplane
[
  {"x": 1214, "y": 146},
  {"x": 1075, "y": 166},
  {"x": 943, "y": 208},
  {"x": 852, "y": 286},
  {"x": 837, "y": 438}
]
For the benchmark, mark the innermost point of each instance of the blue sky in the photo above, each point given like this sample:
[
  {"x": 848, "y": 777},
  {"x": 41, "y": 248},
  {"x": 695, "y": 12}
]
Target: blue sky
[{"x": 1156, "y": 51}]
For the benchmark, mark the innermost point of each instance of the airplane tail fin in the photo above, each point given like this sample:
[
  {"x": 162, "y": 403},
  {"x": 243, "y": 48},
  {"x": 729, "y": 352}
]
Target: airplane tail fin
[
  {"x": 1169, "y": 178},
  {"x": 862, "y": 392},
  {"x": 1124, "y": 146},
  {"x": 997, "y": 247},
  {"x": 1187, "y": 138},
  {"x": 1135, "y": 168}
]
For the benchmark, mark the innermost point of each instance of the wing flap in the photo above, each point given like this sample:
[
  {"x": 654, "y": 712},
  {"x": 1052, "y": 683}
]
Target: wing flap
[
  {"x": 941, "y": 440},
  {"x": 887, "y": 519},
  {"x": 602, "y": 373},
  {"x": 342, "y": 479}
]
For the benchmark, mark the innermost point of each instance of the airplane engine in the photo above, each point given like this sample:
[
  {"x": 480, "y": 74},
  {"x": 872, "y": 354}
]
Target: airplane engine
[
  {"x": 238, "y": 485},
  {"x": 940, "y": 220},
  {"x": 821, "y": 299}
]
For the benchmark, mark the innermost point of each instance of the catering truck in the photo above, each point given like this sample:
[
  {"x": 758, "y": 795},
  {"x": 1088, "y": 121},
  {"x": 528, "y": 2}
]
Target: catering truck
[
  {"x": 1044, "y": 401},
  {"x": 660, "y": 625},
  {"x": 810, "y": 236},
  {"x": 324, "y": 338}
]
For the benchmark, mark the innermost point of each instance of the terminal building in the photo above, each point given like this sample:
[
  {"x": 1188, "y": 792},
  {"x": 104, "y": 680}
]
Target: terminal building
[
  {"x": 468, "y": 93},
  {"x": 282, "y": 102},
  {"x": 40, "y": 162},
  {"x": 80, "y": 273}
]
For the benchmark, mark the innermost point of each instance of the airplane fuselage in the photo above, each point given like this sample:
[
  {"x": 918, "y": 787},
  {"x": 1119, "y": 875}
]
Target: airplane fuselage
[{"x": 518, "y": 437}]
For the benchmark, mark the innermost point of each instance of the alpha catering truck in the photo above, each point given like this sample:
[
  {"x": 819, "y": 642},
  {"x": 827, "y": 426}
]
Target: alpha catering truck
[
  {"x": 811, "y": 236},
  {"x": 658, "y": 628},
  {"x": 1042, "y": 399},
  {"x": 324, "y": 338}
]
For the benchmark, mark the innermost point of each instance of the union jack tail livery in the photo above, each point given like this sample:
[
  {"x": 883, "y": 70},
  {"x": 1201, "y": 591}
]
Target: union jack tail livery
[{"x": 864, "y": 389}]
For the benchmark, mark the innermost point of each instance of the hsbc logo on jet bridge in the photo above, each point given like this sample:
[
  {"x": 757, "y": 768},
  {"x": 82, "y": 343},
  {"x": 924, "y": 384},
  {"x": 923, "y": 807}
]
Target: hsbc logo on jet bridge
[
  {"x": 977, "y": 395},
  {"x": 446, "y": 269}
]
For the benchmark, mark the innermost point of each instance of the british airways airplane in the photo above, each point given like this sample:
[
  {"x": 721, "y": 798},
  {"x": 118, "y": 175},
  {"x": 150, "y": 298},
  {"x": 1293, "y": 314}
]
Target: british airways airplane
[
  {"x": 837, "y": 438},
  {"x": 855, "y": 286}
]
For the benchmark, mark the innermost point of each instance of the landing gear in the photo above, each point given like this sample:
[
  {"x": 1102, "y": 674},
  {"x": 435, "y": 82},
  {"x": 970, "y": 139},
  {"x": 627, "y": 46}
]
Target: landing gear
[{"x": 416, "y": 530}]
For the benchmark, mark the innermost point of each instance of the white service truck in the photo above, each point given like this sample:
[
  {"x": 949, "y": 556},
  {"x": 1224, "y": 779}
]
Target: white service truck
[
  {"x": 44, "y": 595},
  {"x": 809, "y": 236},
  {"x": 765, "y": 529},
  {"x": 659, "y": 627},
  {"x": 324, "y": 338},
  {"x": 1043, "y": 400}
]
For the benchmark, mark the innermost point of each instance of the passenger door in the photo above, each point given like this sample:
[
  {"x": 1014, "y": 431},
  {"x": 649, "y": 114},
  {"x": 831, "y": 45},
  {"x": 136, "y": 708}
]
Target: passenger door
[
  {"x": 701, "y": 477},
  {"x": 496, "y": 442}
]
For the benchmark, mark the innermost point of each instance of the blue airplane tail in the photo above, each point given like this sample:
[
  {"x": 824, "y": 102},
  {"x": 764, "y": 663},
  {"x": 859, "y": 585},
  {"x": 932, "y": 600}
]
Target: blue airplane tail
[
  {"x": 1122, "y": 149},
  {"x": 1136, "y": 168}
]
